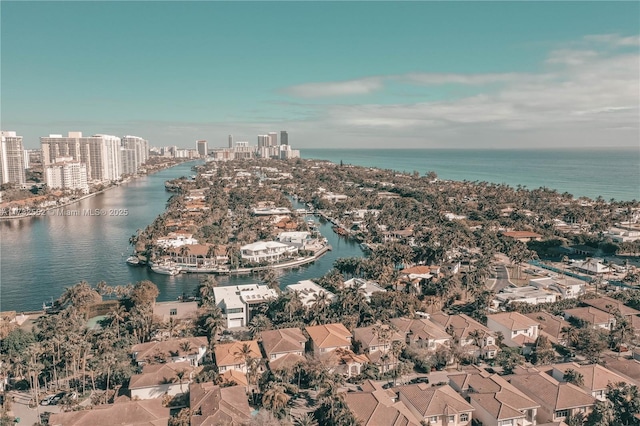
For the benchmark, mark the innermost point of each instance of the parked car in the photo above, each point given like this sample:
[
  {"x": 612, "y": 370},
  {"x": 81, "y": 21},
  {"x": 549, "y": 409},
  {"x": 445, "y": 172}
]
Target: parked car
[
  {"x": 419, "y": 380},
  {"x": 48, "y": 400}
]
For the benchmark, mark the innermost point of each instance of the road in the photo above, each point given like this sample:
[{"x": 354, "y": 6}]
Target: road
[{"x": 502, "y": 278}]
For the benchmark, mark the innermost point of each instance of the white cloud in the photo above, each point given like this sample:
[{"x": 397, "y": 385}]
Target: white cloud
[
  {"x": 338, "y": 88},
  {"x": 465, "y": 79},
  {"x": 614, "y": 39}
]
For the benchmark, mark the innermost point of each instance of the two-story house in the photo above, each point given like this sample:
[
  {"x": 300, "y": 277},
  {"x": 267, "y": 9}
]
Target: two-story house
[
  {"x": 595, "y": 377},
  {"x": 329, "y": 337},
  {"x": 233, "y": 356},
  {"x": 592, "y": 316},
  {"x": 495, "y": 400},
  {"x": 238, "y": 303},
  {"x": 518, "y": 330},
  {"x": 558, "y": 400},
  {"x": 436, "y": 405},
  {"x": 474, "y": 338},
  {"x": 422, "y": 333},
  {"x": 283, "y": 347},
  {"x": 376, "y": 341}
]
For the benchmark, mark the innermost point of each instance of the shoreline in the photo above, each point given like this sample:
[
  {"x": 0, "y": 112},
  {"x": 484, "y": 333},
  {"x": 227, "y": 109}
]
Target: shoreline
[{"x": 40, "y": 212}]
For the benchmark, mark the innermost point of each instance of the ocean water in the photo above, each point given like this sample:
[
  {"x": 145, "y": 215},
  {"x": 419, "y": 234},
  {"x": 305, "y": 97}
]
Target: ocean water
[{"x": 609, "y": 173}]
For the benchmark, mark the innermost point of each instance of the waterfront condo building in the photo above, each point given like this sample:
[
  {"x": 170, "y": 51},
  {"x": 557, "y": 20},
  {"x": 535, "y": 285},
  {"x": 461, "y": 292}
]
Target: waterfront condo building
[
  {"x": 101, "y": 153},
  {"x": 128, "y": 158},
  {"x": 67, "y": 174},
  {"x": 141, "y": 146},
  {"x": 201, "y": 146},
  {"x": 12, "y": 159}
]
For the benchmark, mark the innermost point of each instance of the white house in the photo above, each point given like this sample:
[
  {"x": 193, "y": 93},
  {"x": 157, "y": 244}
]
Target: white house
[
  {"x": 266, "y": 251},
  {"x": 517, "y": 329},
  {"x": 622, "y": 235},
  {"x": 526, "y": 294},
  {"x": 176, "y": 239},
  {"x": 237, "y": 302},
  {"x": 190, "y": 349},
  {"x": 308, "y": 291},
  {"x": 567, "y": 287},
  {"x": 368, "y": 287},
  {"x": 293, "y": 237}
]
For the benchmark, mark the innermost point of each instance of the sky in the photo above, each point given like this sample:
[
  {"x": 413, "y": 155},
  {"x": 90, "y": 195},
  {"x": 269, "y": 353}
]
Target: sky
[{"x": 333, "y": 74}]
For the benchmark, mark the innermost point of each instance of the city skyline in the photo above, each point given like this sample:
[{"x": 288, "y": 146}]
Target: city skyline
[{"x": 349, "y": 75}]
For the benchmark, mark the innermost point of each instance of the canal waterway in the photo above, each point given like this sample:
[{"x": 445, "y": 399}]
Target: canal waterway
[{"x": 40, "y": 257}]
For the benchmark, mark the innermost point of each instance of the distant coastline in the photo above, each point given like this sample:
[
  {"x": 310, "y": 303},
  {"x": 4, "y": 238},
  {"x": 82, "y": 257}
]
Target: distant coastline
[{"x": 589, "y": 172}]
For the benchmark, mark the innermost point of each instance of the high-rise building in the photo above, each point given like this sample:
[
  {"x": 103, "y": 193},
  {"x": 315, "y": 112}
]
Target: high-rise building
[
  {"x": 201, "y": 146},
  {"x": 284, "y": 137},
  {"x": 100, "y": 153},
  {"x": 273, "y": 138},
  {"x": 67, "y": 174},
  {"x": 263, "y": 140},
  {"x": 11, "y": 159},
  {"x": 128, "y": 159},
  {"x": 230, "y": 141},
  {"x": 140, "y": 145}
]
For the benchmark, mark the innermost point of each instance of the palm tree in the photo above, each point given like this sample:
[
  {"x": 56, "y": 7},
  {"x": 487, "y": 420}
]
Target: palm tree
[
  {"x": 180, "y": 375},
  {"x": 258, "y": 324},
  {"x": 275, "y": 399},
  {"x": 305, "y": 420},
  {"x": 244, "y": 353},
  {"x": 117, "y": 315}
]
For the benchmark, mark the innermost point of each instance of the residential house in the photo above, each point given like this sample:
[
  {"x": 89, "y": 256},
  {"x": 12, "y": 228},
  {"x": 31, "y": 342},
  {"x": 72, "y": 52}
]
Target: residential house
[
  {"x": 612, "y": 306},
  {"x": 496, "y": 401},
  {"x": 551, "y": 326},
  {"x": 527, "y": 294},
  {"x": 230, "y": 356},
  {"x": 591, "y": 267},
  {"x": 297, "y": 239},
  {"x": 422, "y": 333},
  {"x": 308, "y": 292},
  {"x": 212, "y": 405},
  {"x": 191, "y": 349},
  {"x": 237, "y": 303},
  {"x": 367, "y": 287},
  {"x": 267, "y": 251},
  {"x": 374, "y": 406},
  {"x": 177, "y": 310},
  {"x": 595, "y": 377},
  {"x": 436, "y": 405},
  {"x": 146, "y": 412},
  {"x": 234, "y": 378},
  {"x": 518, "y": 330},
  {"x": 375, "y": 341},
  {"x": 566, "y": 287},
  {"x": 283, "y": 347},
  {"x": 523, "y": 236},
  {"x": 474, "y": 338},
  {"x": 593, "y": 316},
  {"x": 157, "y": 380},
  {"x": 329, "y": 337},
  {"x": 558, "y": 400}
]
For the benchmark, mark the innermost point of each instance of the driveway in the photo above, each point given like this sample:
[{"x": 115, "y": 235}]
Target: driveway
[{"x": 502, "y": 278}]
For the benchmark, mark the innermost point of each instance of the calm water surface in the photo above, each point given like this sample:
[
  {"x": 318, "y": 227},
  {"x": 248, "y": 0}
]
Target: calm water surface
[{"x": 39, "y": 257}]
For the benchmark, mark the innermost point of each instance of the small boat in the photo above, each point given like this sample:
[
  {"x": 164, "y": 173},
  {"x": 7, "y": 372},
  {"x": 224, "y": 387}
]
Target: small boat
[
  {"x": 133, "y": 260},
  {"x": 165, "y": 269}
]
